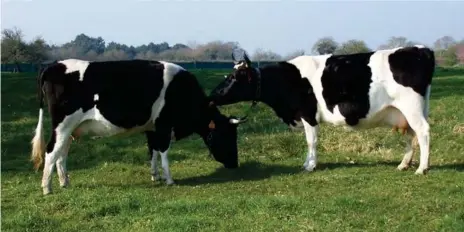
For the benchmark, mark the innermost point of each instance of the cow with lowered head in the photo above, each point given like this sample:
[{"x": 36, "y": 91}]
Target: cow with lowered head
[
  {"x": 126, "y": 97},
  {"x": 364, "y": 90}
]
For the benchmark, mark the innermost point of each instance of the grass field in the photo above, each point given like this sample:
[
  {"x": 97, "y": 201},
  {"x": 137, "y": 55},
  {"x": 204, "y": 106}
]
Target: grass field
[{"x": 355, "y": 188}]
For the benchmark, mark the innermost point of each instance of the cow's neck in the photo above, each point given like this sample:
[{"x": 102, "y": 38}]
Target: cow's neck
[
  {"x": 280, "y": 90},
  {"x": 203, "y": 122}
]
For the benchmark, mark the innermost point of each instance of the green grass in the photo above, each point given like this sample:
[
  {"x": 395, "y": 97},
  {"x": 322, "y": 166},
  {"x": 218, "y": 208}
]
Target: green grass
[{"x": 355, "y": 188}]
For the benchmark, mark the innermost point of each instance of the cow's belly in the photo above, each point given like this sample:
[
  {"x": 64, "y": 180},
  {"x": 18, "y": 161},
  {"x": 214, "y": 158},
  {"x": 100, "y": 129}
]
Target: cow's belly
[
  {"x": 388, "y": 115},
  {"x": 95, "y": 123}
]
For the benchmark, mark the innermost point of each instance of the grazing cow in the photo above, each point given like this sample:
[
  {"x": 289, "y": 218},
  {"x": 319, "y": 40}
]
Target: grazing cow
[
  {"x": 122, "y": 98},
  {"x": 363, "y": 90}
]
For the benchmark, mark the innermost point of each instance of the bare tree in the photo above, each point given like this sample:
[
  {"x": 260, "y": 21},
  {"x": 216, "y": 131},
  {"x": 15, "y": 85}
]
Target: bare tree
[
  {"x": 294, "y": 54},
  {"x": 444, "y": 42},
  {"x": 265, "y": 55},
  {"x": 397, "y": 41}
]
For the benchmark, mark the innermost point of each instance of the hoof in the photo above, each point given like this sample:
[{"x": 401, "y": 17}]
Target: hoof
[
  {"x": 156, "y": 178},
  {"x": 421, "y": 171},
  {"x": 64, "y": 183},
  {"x": 170, "y": 182},
  {"x": 310, "y": 166},
  {"x": 402, "y": 167},
  {"x": 47, "y": 191}
]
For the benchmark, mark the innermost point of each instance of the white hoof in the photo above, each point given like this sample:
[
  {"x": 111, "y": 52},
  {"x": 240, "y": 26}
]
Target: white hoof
[
  {"x": 421, "y": 171},
  {"x": 156, "y": 178},
  {"x": 64, "y": 183},
  {"x": 47, "y": 190},
  {"x": 170, "y": 182},
  {"x": 402, "y": 167},
  {"x": 310, "y": 166}
]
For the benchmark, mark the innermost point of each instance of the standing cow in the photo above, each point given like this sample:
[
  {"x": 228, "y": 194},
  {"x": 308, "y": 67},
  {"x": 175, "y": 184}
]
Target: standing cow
[
  {"x": 363, "y": 90},
  {"x": 125, "y": 97}
]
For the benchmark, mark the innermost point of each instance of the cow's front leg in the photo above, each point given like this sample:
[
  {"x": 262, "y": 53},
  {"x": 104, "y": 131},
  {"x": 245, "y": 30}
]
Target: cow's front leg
[
  {"x": 311, "y": 139},
  {"x": 155, "y": 175},
  {"x": 165, "y": 166},
  {"x": 162, "y": 142}
]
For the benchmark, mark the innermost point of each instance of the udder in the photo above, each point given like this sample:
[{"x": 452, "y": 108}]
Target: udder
[{"x": 395, "y": 118}]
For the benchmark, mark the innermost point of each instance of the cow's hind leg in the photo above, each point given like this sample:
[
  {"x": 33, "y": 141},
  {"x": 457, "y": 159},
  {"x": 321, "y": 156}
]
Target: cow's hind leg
[
  {"x": 56, "y": 149},
  {"x": 61, "y": 165},
  {"x": 413, "y": 112},
  {"x": 407, "y": 158}
]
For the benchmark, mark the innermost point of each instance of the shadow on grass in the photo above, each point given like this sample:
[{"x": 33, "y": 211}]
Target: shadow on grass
[
  {"x": 249, "y": 171},
  {"x": 330, "y": 166},
  {"x": 255, "y": 171}
]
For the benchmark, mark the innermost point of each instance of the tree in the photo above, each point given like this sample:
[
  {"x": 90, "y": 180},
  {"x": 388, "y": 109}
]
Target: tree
[
  {"x": 325, "y": 45},
  {"x": 352, "y": 46},
  {"x": 265, "y": 55},
  {"x": 84, "y": 44},
  {"x": 294, "y": 54},
  {"x": 450, "y": 56},
  {"x": 215, "y": 50},
  {"x": 444, "y": 42},
  {"x": 397, "y": 41},
  {"x": 114, "y": 54},
  {"x": 37, "y": 50},
  {"x": 14, "y": 48}
]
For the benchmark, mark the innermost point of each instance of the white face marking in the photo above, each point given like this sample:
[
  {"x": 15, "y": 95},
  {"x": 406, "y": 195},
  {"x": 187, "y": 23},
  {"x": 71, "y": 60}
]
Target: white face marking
[
  {"x": 95, "y": 97},
  {"x": 242, "y": 64},
  {"x": 234, "y": 121},
  {"x": 73, "y": 65}
]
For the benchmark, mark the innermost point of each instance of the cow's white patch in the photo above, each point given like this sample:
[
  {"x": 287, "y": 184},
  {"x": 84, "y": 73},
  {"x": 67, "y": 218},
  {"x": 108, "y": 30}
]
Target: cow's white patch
[
  {"x": 170, "y": 70},
  {"x": 73, "y": 65},
  {"x": 165, "y": 166},
  {"x": 96, "y": 97},
  {"x": 419, "y": 46}
]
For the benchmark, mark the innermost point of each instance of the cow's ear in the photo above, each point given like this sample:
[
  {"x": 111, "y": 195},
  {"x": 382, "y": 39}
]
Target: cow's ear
[{"x": 212, "y": 125}]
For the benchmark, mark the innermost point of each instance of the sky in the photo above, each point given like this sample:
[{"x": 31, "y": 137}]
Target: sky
[{"x": 281, "y": 26}]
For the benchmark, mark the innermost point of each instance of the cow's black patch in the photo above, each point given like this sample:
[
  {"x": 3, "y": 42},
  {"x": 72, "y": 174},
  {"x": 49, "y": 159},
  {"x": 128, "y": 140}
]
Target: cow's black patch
[
  {"x": 413, "y": 67},
  {"x": 287, "y": 93},
  {"x": 345, "y": 82},
  {"x": 308, "y": 102},
  {"x": 130, "y": 108},
  {"x": 281, "y": 87}
]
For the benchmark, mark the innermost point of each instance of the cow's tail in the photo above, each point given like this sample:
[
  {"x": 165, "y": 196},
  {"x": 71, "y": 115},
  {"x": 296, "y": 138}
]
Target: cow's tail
[{"x": 38, "y": 142}]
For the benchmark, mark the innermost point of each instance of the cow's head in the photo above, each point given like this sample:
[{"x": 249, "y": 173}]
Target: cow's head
[
  {"x": 242, "y": 84},
  {"x": 221, "y": 139}
]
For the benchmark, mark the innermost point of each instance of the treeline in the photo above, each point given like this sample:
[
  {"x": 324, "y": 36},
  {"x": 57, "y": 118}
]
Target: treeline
[{"x": 16, "y": 50}]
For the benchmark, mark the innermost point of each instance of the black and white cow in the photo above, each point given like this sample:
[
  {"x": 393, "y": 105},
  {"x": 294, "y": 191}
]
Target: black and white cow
[
  {"x": 125, "y": 97},
  {"x": 364, "y": 90}
]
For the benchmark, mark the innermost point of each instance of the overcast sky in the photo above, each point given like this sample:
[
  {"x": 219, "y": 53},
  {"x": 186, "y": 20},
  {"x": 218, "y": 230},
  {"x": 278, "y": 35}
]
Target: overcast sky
[{"x": 281, "y": 26}]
